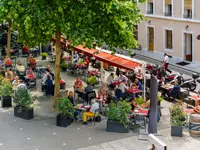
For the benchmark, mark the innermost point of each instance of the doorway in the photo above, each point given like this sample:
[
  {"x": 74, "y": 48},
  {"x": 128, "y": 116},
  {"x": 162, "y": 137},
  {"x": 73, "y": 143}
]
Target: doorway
[
  {"x": 151, "y": 38},
  {"x": 188, "y": 46}
]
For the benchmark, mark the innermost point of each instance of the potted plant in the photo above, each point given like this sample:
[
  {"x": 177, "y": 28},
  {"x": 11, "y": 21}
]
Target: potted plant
[
  {"x": 5, "y": 93},
  {"x": 160, "y": 99},
  {"x": 118, "y": 117},
  {"x": 44, "y": 55},
  {"x": 66, "y": 112},
  {"x": 177, "y": 119},
  {"x": 24, "y": 104},
  {"x": 63, "y": 66},
  {"x": 92, "y": 80},
  {"x": 139, "y": 101}
]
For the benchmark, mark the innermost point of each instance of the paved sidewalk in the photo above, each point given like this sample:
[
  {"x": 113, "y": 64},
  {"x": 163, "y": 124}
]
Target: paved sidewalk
[{"x": 192, "y": 67}]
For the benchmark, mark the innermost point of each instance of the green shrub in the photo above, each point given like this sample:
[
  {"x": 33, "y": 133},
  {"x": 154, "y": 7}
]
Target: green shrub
[
  {"x": 23, "y": 98},
  {"x": 119, "y": 112},
  {"x": 92, "y": 80},
  {"x": 44, "y": 54},
  {"x": 63, "y": 65},
  {"x": 65, "y": 108},
  {"x": 6, "y": 89},
  {"x": 177, "y": 115},
  {"x": 160, "y": 99},
  {"x": 139, "y": 100}
]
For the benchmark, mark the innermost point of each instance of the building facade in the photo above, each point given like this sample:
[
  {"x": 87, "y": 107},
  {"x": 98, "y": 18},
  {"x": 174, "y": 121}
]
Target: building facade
[{"x": 172, "y": 27}]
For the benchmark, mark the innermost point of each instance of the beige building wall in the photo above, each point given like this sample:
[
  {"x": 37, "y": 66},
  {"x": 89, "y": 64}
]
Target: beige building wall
[{"x": 178, "y": 25}]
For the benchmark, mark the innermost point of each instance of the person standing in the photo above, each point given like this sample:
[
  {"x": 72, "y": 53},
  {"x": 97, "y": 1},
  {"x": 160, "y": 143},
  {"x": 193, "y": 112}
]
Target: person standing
[{"x": 166, "y": 61}]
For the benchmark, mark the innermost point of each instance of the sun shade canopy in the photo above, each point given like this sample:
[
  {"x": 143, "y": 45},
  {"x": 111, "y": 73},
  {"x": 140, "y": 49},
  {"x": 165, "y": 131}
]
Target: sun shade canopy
[
  {"x": 117, "y": 61},
  {"x": 86, "y": 51}
]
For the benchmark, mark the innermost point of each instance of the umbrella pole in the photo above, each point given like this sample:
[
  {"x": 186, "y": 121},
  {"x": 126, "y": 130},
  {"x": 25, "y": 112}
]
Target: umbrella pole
[{"x": 102, "y": 72}]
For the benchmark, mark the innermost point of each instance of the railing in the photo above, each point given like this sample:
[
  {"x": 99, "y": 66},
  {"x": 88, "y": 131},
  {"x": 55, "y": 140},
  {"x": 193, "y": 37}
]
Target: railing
[
  {"x": 150, "y": 12},
  {"x": 168, "y": 14},
  {"x": 187, "y": 16}
]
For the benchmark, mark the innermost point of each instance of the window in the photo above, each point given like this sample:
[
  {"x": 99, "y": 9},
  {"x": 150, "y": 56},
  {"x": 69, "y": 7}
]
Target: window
[
  {"x": 168, "y": 39},
  {"x": 168, "y": 7},
  {"x": 187, "y": 9},
  {"x": 150, "y": 7}
]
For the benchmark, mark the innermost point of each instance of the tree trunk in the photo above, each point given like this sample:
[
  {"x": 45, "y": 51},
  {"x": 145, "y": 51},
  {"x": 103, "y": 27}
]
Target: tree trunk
[
  {"x": 9, "y": 39},
  {"x": 57, "y": 70}
]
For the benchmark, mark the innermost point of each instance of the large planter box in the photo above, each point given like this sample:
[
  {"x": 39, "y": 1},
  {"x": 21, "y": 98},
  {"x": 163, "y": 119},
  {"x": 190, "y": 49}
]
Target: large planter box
[
  {"x": 6, "y": 101},
  {"x": 177, "y": 131},
  {"x": 24, "y": 113},
  {"x": 63, "y": 121},
  {"x": 115, "y": 126}
]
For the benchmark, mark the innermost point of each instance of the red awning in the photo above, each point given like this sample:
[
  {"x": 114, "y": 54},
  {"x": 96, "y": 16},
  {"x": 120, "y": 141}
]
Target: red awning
[
  {"x": 85, "y": 51},
  {"x": 117, "y": 61}
]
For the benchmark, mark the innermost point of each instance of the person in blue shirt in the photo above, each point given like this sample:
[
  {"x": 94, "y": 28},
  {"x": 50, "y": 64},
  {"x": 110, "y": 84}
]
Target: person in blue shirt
[
  {"x": 76, "y": 57},
  {"x": 137, "y": 85}
]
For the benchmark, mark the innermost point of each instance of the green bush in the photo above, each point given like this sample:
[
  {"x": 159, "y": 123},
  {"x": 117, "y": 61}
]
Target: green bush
[
  {"x": 6, "y": 89},
  {"x": 23, "y": 98},
  {"x": 119, "y": 112},
  {"x": 80, "y": 61},
  {"x": 63, "y": 65},
  {"x": 160, "y": 99},
  {"x": 44, "y": 54},
  {"x": 65, "y": 108},
  {"x": 177, "y": 115},
  {"x": 92, "y": 80},
  {"x": 139, "y": 100}
]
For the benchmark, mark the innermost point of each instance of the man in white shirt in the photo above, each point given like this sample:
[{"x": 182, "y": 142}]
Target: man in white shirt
[
  {"x": 166, "y": 61},
  {"x": 123, "y": 86},
  {"x": 93, "y": 111},
  {"x": 110, "y": 79},
  {"x": 21, "y": 85}
]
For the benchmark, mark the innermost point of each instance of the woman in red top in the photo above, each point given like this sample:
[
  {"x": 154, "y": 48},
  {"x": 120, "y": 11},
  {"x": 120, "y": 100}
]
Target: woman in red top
[
  {"x": 86, "y": 61},
  {"x": 78, "y": 84},
  {"x": 7, "y": 62}
]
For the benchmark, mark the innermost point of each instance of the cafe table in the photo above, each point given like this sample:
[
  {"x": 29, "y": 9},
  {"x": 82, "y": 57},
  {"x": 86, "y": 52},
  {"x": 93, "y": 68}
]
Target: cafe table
[
  {"x": 134, "y": 91},
  {"x": 101, "y": 101},
  {"x": 81, "y": 108},
  {"x": 193, "y": 98}
]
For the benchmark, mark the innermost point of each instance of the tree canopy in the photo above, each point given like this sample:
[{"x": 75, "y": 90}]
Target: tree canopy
[{"x": 81, "y": 21}]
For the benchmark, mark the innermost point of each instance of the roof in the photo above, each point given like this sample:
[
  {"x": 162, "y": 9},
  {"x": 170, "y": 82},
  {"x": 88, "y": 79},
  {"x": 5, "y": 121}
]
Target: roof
[
  {"x": 85, "y": 50},
  {"x": 117, "y": 61}
]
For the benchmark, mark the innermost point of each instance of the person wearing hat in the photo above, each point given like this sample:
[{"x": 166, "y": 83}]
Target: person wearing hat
[{"x": 94, "y": 107}]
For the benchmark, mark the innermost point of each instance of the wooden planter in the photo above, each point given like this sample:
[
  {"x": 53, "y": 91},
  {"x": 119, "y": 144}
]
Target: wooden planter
[{"x": 116, "y": 126}]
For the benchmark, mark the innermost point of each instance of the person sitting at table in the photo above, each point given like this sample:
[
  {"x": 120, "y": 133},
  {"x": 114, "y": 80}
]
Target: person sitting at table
[
  {"x": 32, "y": 61},
  {"x": 197, "y": 107},
  {"x": 21, "y": 85},
  {"x": 103, "y": 91},
  {"x": 7, "y": 62},
  {"x": 16, "y": 82},
  {"x": 86, "y": 61},
  {"x": 49, "y": 86},
  {"x": 9, "y": 73},
  {"x": 123, "y": 87},
  {"x": 136, "y": 85},
  {"x": 71, "y": 98},
  {"x": 65, "y": 55},
  {"x": 174, "y": 92},
  {"x": 133, "y": 104},
  {"x": 78, "y": 85},
  {"x": 110, "y": 80},
  {"x": 161, "y": 83},
  {"x": 122, "y": 78},
  {"x": 140, "y": 75},
  {"x": 48, "y": 69},
  {"x": 76, "y": 57},
  {"x": 91, "y": 113},
  {"x": 83, "y": 93}
]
